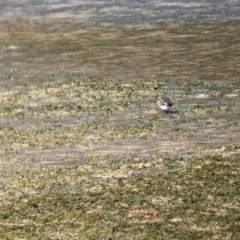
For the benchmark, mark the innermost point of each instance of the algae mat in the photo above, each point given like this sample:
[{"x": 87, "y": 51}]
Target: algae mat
[
  {"x": 97, "y": 159},
  {"x": 96, "y": 118}
]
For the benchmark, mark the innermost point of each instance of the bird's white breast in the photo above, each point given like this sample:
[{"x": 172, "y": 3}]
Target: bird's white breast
[{"x": 165, "y": 107}]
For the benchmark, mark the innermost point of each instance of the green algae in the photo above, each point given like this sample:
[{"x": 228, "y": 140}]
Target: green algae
[{"x": 97, "y": 159}]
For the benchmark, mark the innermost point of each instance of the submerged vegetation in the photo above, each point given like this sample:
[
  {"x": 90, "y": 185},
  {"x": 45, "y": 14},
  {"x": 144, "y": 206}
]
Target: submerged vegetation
[{"x": 97, "y": 159}]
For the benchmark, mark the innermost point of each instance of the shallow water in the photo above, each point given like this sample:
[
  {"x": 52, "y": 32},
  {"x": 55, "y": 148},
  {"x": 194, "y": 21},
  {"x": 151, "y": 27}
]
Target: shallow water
[
  {"x": 115, "y": 13},
  {"x": 167, "y": 51},
  {"x": 175, "y": 40}
]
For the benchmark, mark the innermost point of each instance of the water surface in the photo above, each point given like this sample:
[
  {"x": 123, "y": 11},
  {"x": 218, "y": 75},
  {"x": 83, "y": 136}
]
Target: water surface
[{"x": 176, "y": 40}]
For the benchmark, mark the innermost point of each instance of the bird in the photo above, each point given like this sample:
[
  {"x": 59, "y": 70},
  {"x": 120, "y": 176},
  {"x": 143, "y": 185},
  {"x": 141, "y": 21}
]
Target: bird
[{"x": 165, "y": 103}]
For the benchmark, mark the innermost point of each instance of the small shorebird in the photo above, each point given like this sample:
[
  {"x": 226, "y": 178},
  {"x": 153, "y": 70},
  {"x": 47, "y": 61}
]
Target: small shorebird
[{"x": 165, "y": 103}]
